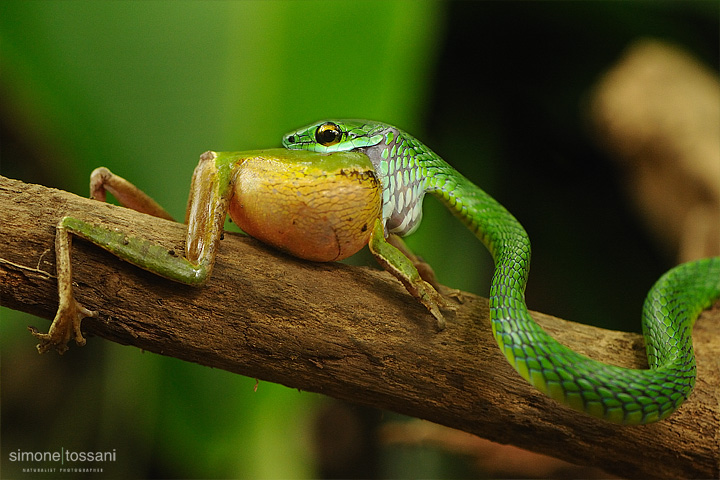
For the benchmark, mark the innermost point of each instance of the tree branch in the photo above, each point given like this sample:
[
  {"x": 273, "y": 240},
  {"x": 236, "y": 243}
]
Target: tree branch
[{"x": 349, "y": 332}]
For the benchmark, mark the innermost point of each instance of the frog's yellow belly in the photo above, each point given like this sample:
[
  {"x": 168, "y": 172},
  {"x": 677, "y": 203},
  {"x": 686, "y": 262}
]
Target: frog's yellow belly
[{"x": 306, "y": 210}]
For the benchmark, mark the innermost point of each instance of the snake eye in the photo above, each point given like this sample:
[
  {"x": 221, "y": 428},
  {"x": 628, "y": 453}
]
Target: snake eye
[{"x": 328, "y": 134}]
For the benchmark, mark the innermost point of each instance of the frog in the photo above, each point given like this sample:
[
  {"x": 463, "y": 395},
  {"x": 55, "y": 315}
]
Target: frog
[{"x": 319, "y": 207}]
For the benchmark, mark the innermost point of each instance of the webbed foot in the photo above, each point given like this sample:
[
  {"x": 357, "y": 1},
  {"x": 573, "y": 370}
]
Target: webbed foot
[{"x": 65, "y": 326}]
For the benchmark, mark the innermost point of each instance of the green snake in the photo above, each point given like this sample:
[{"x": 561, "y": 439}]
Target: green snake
[{"x": 408, "y": 169}]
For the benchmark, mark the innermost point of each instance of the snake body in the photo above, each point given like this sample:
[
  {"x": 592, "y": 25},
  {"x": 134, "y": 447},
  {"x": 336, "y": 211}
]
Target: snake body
[{"x": 408, "y": 169}]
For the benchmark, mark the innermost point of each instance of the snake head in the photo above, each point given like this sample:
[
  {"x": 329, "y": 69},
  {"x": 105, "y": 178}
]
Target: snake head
[{"x": 336, "y": 136}]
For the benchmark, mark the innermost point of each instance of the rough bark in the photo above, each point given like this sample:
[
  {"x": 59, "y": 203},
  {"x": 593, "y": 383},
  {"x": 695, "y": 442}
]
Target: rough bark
[{"x": 348, "y": 332}]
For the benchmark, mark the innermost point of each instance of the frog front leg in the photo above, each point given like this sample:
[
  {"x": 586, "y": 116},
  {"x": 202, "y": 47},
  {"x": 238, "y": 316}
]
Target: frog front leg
[
  {"x": 207, "y": 208},
  {"x": 395, "y": 261},
  {"x": 424, "y": 269}
]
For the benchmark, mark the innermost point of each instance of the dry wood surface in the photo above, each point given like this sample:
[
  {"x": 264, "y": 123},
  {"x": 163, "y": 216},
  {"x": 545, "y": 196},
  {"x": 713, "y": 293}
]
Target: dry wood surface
[{"x": 349, "y": 332}]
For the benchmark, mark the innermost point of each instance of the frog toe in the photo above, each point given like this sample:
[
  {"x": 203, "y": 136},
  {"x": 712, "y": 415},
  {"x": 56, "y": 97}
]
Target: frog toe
[{"x": 65, "y": 327}]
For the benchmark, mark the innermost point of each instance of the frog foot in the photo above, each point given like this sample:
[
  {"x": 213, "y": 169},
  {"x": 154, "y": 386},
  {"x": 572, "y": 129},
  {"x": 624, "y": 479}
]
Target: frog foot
[
  {"x": 433, "y": 301},
  {"x": 65, "y": 325}
]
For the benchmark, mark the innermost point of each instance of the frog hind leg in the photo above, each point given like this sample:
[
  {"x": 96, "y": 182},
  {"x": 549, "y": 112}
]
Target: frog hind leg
[
  {"x": 67, "y": 322},
  {"x": 207, "y": 210},
  {"x": 395, "y": 261},
  {"x": 70, "y": 312},
  {"x": 103, "y": 180}
]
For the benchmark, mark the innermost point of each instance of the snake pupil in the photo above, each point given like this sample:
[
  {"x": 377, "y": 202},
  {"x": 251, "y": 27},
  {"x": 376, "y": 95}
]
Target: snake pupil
[{"x": 328, "y": 134}]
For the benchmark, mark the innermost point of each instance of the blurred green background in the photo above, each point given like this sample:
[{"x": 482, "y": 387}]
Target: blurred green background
[{"x": 143, "y": 88}]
